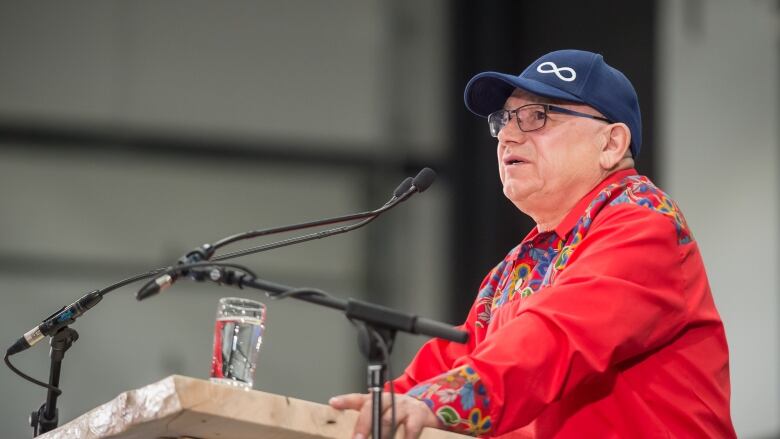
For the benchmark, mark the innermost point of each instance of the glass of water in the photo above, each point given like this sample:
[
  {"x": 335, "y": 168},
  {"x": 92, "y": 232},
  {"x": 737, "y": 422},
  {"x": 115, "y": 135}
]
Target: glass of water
[{"x": 238, "y": 333}]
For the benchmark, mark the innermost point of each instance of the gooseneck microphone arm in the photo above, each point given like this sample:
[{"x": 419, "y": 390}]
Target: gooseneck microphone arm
[
  {"x": 406, "y": 189},
  {"x": 422, "y": 181},
  {"x": 398, "y": 193},
  {"x": 308, "y": 237}
]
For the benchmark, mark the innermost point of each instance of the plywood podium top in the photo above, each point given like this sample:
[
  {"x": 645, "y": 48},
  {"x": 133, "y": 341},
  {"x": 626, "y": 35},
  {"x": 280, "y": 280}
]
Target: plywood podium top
[{"x": 182, "y": 407}]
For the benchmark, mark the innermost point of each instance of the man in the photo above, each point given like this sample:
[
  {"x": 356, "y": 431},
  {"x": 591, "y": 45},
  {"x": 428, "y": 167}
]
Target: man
[{"x": 601, "y": 322}]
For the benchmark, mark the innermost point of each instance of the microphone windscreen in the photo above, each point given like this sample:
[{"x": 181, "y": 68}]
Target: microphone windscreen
[
  {"x": 424, "y": 179},
  {"x": 403, "y": 187}
]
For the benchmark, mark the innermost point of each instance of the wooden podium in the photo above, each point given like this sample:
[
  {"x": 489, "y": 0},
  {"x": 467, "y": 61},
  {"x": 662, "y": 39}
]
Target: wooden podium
[{"x": 182, "y": 407}]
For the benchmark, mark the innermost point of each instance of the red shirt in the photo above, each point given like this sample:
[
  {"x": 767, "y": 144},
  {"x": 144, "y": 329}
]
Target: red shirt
[{"x": 604, "y": 327}]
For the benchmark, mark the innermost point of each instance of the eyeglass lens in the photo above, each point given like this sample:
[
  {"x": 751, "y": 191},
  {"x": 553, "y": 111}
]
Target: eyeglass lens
[{"x": 529, "y": 118}]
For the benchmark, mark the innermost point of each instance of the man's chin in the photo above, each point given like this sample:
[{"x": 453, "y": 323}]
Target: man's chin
[{"x": 517, "y": 195}]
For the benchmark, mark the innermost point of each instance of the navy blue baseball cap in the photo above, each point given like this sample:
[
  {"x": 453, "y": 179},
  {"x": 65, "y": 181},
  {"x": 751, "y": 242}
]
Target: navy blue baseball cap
[{"x": 570, "y": 75}]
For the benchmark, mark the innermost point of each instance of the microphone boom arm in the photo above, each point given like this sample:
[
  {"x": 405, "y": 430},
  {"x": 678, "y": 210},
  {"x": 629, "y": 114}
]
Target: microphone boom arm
[{"x": 369, "y": 313}]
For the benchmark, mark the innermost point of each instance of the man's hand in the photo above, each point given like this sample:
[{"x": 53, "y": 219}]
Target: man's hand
[{"x": 413, "y": 414}]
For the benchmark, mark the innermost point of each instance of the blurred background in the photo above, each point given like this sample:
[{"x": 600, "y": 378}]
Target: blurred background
[{"x": 132, "y": 132}]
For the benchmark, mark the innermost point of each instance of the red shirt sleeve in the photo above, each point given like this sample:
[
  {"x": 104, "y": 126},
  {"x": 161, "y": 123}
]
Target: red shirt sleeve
[
  {"x": 620, "y": 295},
  {"x": 437, "y": 355}
]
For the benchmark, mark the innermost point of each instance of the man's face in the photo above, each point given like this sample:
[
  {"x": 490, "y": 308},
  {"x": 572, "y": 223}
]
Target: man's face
[{"x": 550, "y": 166}]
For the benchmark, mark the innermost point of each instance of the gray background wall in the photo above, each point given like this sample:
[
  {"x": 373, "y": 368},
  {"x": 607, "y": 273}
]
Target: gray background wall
[
  {"x": 354, "y": 89},
  {"x": 720, "y": 108},
  {"x": 273, "y": 77}
]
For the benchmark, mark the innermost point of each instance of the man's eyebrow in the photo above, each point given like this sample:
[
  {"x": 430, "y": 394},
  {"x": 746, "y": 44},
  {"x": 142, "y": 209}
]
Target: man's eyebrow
[{"x": 527, "y": 103}]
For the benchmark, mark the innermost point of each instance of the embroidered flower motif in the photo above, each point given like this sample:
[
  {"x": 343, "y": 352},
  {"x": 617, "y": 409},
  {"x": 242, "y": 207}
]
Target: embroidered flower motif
[
  {"x": 447, "y": 395},
  {"x": 515, "y": 280},
  {"x": 448, "y": 415},
  {"x": 459, "y": 401},
  {"x": 483, "y": 316},
  {"x": 645, "y": 194},
  {"x": 563, "y": 257},
  {"x": 467, "y": 396},
  {"x": 418, "y": 390},
  {"x": 477, "y": 424},
  {"x": 522, "y": 271}
]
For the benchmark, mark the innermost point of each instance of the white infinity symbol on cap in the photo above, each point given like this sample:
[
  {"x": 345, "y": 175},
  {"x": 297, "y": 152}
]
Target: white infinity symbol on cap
[{"x": 558, "y": 71}]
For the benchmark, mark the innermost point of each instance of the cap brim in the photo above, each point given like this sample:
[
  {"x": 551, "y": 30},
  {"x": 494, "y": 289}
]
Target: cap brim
[{"x": 488, "y": 91}]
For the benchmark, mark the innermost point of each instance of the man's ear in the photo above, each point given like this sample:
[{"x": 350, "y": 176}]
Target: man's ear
[{"x": 617, "y": 138}]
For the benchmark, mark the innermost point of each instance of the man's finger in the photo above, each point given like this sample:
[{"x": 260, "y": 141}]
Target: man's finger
[
  {"x": 387, "y": 418},
  {"x": 350, "y": 401},
  {"x": 413, "y": 427},
  {"x": 363, "y": 423}
]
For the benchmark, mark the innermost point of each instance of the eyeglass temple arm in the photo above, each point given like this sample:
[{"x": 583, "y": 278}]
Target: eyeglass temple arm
[{"x": 575, "y": 113}]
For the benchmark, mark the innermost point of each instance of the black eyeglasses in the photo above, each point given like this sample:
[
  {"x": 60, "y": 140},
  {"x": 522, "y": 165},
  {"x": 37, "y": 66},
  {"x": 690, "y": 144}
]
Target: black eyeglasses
[{"x": 531, "y": 117}]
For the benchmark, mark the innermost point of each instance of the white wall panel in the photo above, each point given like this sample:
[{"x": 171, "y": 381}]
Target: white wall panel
[
  {"x": 315, "y": 72},
  {"x": 719, "y": 113},
  {"x": 363, "y": 78}
]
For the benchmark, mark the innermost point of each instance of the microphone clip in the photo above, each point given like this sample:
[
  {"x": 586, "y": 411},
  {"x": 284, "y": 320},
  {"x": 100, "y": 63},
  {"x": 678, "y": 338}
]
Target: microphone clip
[
  {"x": 226, "y": 276},
  {"x": 200, "y": 254}
]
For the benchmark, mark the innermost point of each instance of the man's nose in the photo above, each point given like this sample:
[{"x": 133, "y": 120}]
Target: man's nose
[{"x": 511, "y": 133}]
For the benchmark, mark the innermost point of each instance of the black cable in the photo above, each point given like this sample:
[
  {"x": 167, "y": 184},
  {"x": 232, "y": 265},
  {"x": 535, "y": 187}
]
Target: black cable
[
  {"x": 132, "y": 279},
  {"x": 56, "y": 390},
  {"x": 386, "y": 356},
  {"x": 295, "y": 240},
  {"x": 298, "y": 292}
]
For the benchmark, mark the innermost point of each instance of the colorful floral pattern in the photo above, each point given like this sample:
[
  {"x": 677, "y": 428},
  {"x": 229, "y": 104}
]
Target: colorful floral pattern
[
  {"x": 459, "y": 397},
  {"x": 459, "y": 400},
  {"x": 535, "y": 263},
  {"x": 643, "y": 193}
]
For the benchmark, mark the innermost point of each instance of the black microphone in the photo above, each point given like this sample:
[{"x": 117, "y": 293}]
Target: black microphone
[
  {"x": 56, "y": 321},
  {"x": 424, "y": 179},
  {"x": 407, "y": 188},
  {"x": 403, "y": 187}
]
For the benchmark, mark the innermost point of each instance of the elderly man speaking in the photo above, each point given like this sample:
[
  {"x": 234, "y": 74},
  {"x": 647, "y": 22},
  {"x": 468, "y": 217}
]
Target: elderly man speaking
[{"x": 600, "y": 323}]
